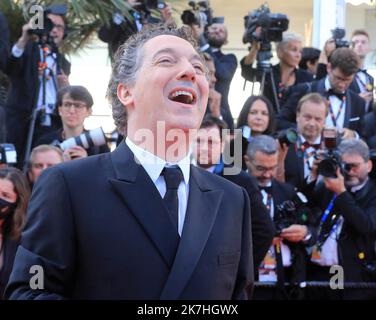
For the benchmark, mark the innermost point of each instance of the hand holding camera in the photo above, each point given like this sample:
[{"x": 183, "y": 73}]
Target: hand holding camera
[
  {"x": 336, "y": 185},
  {"x": 75, "y": 152},
  {"x": 294, "y": 233}
]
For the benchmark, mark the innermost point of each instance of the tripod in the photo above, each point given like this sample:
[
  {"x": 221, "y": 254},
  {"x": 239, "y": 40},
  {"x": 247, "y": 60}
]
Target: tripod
[
  {"x": 264, "y": 67},
  {"x": 44, "y": 41}
]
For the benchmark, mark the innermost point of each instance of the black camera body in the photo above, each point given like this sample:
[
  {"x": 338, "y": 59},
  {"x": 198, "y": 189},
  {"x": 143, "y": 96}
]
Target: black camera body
[
  {"x": 338, "y": 34},
  {"x": 272, "y": 24},
  {"x": 331, "y": 158},
  {"x": 200, "y": 14},
  {"x": 288, "y": 136},
  {"x": 291, "y": 212},
  {"x": 47, "y": 26}
]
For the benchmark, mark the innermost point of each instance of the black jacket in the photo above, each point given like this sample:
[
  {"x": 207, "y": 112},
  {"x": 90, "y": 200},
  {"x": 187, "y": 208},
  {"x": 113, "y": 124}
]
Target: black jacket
[
  {"x": 100, "y": 228},
  {"x": 225, "y": 67},
  {"x": 354, "y": 106},
  {"x": 280, "y": 193},
  {"x": 263, "y": 229},
  {"x": 9, "y": 252},
  {"x": 358, "y": 230}
]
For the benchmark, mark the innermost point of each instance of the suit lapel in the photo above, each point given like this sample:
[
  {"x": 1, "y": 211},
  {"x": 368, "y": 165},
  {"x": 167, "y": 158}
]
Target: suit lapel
[
  {"x": 203, "y": 205},
  {"x": 347, "y": 110},
  {"x": 141, "y": 197}
]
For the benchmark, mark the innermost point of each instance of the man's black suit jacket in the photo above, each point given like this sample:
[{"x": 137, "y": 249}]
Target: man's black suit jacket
[
  {"x": 263, "y": 230},
  {"x": 354, "y": 110},
  {"x": 99, "y": 229},
  {"x": 358, "y": 230}
]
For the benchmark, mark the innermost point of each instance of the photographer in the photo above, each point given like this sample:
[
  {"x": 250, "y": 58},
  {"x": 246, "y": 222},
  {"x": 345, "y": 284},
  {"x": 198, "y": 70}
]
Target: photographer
[
  {"x": 74, "y": 106},
  {"x": 286, "y": 258},
  {"x": 346, "y": 229},
  {"x": 4, "y": 41},
  {"x": 121, "y": 27},
  {"x": 346, "y": 108},
  {"x": 286, "y": 73},
  {"x": 225, "y": 66},
  {"x": 31, "y": 69},
  {"x": 363, "y": 83},
  {"x": 311, "y": 113}
]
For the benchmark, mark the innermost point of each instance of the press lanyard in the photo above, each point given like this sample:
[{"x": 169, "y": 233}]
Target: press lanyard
[
  {"x": 323, "y": 220},
  {"x": 331, "y": 112}
]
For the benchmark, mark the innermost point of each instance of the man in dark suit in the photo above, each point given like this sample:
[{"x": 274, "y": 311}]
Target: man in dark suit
[
  {"x": 4, "y": 41},
  {"x": 225, "y": 67},
  {"x": 207, "y": 153},
  {"x": 311, "y": 112},
  {"x": 286, "y": 258},
  {"x": 26, "y": 65},
  {"x": 347, "y": 226},
  {"x": 346, "y": 108},
  {"x": 140, "y": 222}
]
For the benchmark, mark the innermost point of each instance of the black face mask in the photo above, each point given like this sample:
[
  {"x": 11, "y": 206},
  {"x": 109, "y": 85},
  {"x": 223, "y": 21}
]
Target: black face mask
[{"x": 5, "y": 204}]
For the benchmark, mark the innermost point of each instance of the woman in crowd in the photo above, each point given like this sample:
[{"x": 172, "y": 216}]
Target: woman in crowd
[
  {"x": 286, "y": 73},
  {"x": 14, "y": 198},
  {"x": 255, "y": 118}
]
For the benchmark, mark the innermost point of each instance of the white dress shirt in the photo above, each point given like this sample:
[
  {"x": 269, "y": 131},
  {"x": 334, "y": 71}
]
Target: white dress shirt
[
  {"x": 154, "y": 165},
  {"x": 335, "y": 103}
]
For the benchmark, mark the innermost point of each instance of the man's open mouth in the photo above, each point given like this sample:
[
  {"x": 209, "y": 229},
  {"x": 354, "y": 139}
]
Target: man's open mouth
[{"x": 183, "y": 96}]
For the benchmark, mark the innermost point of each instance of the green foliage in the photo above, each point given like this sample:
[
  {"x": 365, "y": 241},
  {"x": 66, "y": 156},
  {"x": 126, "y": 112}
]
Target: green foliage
[{"x": 84, "y": 17}]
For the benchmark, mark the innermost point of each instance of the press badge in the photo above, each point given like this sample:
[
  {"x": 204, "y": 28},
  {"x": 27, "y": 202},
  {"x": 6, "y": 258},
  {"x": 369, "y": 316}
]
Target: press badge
[
  {"x": 316, "y": 254},
  {"x": 267, "y": 270}
]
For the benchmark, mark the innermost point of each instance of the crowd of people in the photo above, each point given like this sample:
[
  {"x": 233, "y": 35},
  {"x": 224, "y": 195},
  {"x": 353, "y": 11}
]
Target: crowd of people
[{"x": 303, "y": 150}]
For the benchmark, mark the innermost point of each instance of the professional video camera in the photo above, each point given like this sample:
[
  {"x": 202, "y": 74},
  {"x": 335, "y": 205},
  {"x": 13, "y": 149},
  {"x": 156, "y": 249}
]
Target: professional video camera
[
  {"x": 338, "y": 34},
  {"x": 8, "y": 154},
  {"x": 291, "y": 212},
  {"x": 95, "y": 137},
  {"x": 272, "y": 25},
  {"x": 201, "y": 14},
  {"x": 331, "y": 158}
]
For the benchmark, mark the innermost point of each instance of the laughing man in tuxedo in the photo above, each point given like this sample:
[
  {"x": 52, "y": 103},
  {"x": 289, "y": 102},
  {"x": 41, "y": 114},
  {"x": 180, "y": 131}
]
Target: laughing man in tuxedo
[{"x": 140, "y": 222}]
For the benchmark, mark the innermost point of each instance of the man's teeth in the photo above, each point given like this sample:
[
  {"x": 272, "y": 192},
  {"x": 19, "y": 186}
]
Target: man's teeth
[{"x": 181, "y": 93}]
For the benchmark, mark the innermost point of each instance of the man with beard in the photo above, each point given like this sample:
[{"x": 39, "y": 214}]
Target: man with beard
[
  {"x": 347, "y": 227},
  {"x": 225, "y": 66}
]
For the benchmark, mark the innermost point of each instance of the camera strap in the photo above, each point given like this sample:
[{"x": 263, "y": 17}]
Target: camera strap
[{"x": 327, "y": 227}]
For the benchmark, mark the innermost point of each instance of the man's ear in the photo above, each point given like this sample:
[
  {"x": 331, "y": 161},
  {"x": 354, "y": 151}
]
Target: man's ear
[
  {"x": 369, "y": 166},
  {"x": 124, "y": 94},
  {"x": 329, "y": 67},
  {"x": 247, "y": 160}
]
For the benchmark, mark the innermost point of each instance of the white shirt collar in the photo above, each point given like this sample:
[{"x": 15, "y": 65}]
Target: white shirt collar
[
  {"x": 357, "y": 188},
  {"x": 317, "y": 141},
  {"x": 154, "y": 165},
  {"x": 328, "y": 85}
]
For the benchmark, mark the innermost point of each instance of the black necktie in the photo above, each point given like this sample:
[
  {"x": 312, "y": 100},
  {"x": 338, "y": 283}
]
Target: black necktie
[
  {"x": 331, "y": 92},
  {"x": 173, "y": 176}
]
